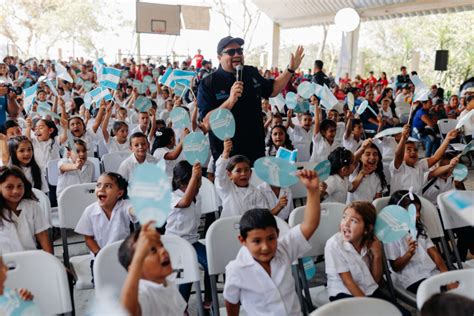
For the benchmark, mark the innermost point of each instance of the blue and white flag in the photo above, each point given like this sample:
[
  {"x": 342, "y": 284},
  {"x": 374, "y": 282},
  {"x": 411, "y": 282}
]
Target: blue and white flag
[
  {"x": 29, "y": 97},
  {"x": 109, "y": 77},
  {"x": 52, "y": 87},
  {"x": 172, "y": 76},
  {"x": 98, "y": 65},
  {"x": 61, "y": 72},
  {"x": 100, "y": 92}
]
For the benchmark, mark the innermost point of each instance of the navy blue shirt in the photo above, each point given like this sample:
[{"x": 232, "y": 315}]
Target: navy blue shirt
[
  {"x": 364, "y": 117},
  {"x": 249, "y": 138},
  {"x": 3, "y": 109}
]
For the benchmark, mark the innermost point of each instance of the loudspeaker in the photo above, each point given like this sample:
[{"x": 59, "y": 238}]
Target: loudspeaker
[{"x": 441, "y": 60}]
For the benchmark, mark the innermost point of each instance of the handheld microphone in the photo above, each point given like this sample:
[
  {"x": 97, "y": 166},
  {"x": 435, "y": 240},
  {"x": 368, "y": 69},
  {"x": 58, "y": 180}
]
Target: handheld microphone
[{"x": 238, "y": 72}]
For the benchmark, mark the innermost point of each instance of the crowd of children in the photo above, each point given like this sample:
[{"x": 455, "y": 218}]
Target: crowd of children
[{"x": 363, "y": 168}]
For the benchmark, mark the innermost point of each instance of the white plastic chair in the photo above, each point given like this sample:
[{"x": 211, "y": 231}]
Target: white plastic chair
[
  {"x": 446, "y": 125},
  {"x": 331, "y": 214},
  {"x": 222, "y": 246},
  {"x": 210, "y": 200},
  {"x": 44, "y": 202},
  {"x": 110, "y": 275},
  {"x": 96, "y": 162},
  {"x": 433, "y": 285},
  {"x": 101, "y": 148},
  {"x": 358, "y": 306},
  {"x": 71, "y": 205},
  {"x": 111, "y": 161},
  {"x": 52, "y": 172},
  {"x": 44, "y": 276},
  {"x": 457, "y": 210}
]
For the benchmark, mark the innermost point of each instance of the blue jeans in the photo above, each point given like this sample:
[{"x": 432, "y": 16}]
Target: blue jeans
[
  {"x": 185, "y": 289},
  {"x": 430, "y": 142}
]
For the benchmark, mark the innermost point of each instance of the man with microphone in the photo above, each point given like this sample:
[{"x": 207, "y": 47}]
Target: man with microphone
[{"x": 240, "y": 89}]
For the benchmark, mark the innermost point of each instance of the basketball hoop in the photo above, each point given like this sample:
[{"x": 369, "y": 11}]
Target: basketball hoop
[{"x": 158, "y": 26}]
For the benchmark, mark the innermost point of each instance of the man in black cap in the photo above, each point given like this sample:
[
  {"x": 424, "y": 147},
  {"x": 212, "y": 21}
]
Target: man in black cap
[
  {"x": 319, "y": 76},
  {"x": 242, "y": 98}
]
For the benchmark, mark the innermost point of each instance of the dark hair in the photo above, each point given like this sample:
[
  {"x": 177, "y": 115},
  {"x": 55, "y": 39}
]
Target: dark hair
[
  {"x": 318, "y": 64},
  {"x": 163, "y": 138},
  {"x": 79, "y": 118},
  {"x": 182, "y": 173},
  {"x": 127, "y": 249},
  {"x": 356, "y": 122},
  {"x": 14, "y": 171},
  {"x": 287, "y": 144},
  {"x": 234, "y": 160},
  {"x": 327, "y": 124},
  {"x": 442, "y": 304},
  {"x": 379, "y": 170},
  {"x": 369, "y": 214},
  {"x": 137, "y": 135},
  {"x": 118, "y": 125},
  {"x": 402, "y": 198},
  {"x": 78, "y": 141},
  {"x": 340, "y": 158},
  {"x": 9, "y": 124},
  {"x": 121, "y": 182},
  {"x": 469, "y": 98},
  {"x": 13, "y": 144},
  {"x": 54, "y": 133},
  {"x": 256, "y": 218}
]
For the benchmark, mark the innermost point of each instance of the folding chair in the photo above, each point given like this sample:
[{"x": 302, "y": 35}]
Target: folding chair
[
  {"x": 111, "y": 161},
  {"x": 52, "y": 172},
  {"x": 110, "y": 275},
  {"x": 102, "y": 148},
  {"x": 434, "y": 285},
  {"x": 45, "y": 205},
  {"x": 358, "y": 306},
  {"x": 456, "y": 209},
  {"x": 96, "y": 162},
  {"x": 210, "y": 200},
  {"x": 71, "y": 205},
  {"x": 222, "y": 246},
  {"x": 331, "y": 214},
  {"x": 42, "y": 274}
]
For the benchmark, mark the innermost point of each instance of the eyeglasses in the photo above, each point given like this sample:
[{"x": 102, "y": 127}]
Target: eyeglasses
[{"x": 232, "y": 51}]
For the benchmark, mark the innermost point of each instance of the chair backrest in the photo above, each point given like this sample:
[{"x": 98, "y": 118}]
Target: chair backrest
[
  {"x": 97, "y": 171},
  {"x": 433, "y": 285},
  {"x": 110, "y": 275},
  {"x": 101, "y": 148},
  {"x": 44, "y": 202},
  {"x": 446, "y": 125},
  {"x": 209, "y": 200},
  {"x": 331, "y": 214},
  {"x": 222, "y": 244},
  {"x": 72, "y": 203},
  {"x": 358, "y": 306},
  {"x": 44, "y": 276},
  {"x": 111, "y": 161},
  {"x": 52, "y": 171},
  {"x": 456, "y": 208},
  {"x": 429, "y": 215}
]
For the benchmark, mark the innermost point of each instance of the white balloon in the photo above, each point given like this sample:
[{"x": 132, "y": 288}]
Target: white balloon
[{"x": 347, "y": 19}]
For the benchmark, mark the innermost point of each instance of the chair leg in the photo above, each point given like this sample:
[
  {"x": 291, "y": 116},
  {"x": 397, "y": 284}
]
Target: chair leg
[
  {"x": 215, "y": 298},
  {"x": 445, "y": 248},
  {"x": 455, "y": 248},
  {"x": 199, "y": 297},
  {"x": 294, "y": 271},
  {"x": 305, "y": 285},
  {"x": 386, "y": 271}
]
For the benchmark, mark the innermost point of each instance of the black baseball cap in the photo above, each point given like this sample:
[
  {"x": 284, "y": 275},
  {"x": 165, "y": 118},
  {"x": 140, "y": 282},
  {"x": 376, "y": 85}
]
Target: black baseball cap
[{"x": 226, "y": 41}]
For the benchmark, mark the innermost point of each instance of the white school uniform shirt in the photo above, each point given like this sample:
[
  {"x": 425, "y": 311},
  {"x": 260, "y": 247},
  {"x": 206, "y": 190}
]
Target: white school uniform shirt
[
  {"x": 94, "y": 222},
  {"x": 340, "y": 256},
  {"x": 272, "y": 199},
  {"x": 387, "y": 146},
  {"x": 128, "y": 165},
  {"x": 114, "y": 146},
  {"x": 158, "y": 299},
  {"x": 301, "y": 140},
  {"x": 337, "y": 188},
  {"x": 30, "y": 222},
  {"x": 139, "y": 129},
  {"x": 438, "y": 187},
  {"x": 321, "y": 148},
  {"x": 9, "y": 240},
  {"x": 405, "y": 176},
  {"x": 351, "y": 144},
  {"x": 236, "y": 200},
  {"x": 90, "y": 138},
  {"x": 262, "y": 294},
  {"x": 469, "y": 126},
  {"x": 29, "y": 177},
  {"x": 45, "y": 151},
  {"x": 170, "y": 164},
  {"x": 420, "y": 266},
  {"x": 367, "y": 189},
  {"x": 184, "y": 222},
  {"x": 68, "y": 178}
]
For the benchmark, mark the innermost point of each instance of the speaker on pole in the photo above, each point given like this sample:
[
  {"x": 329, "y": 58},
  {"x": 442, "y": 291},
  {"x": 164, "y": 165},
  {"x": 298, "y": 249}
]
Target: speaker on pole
[{"x": 441, "y": 60}]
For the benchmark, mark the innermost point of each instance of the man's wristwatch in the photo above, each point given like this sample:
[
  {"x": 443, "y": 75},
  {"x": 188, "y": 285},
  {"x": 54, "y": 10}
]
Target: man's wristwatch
[{"x": 291, "y": 71}]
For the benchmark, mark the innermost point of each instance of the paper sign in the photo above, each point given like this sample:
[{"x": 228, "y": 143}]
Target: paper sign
[
  {"x": 323, "y": 169},
  {"x": 150, "y": 194},
  {"x": 389, "y": 132},
  {"x": 468, "y": 148},
  {"x": 421, "y": 95},
  {"x": 364, "y": 106},
  {"x": 309, "y": 267},
  {"x": 141, "y": 88},
  {"x": 278, "y": 101},
  {"x": 180, "y": 89},
  {"x": 88, "y": 101},
  {"x": 392, "y": 223},
  {"x": 152, "y": 87},
  {"x": 148, "y": 80},
  {"x": 412, "y": 224},
  {"x": 162, "y": 164},
  {"x": 291, "y": 100},
  {"x": 276, "y": 171},
  {"x": 328, "y": 100},
  {"x": 79, "y": 81},
  {"x": 142, "y": 104},
  {"x": 136, "y": 83},
  {"x": 70, "y": 142},
  {"x": 302, "y": 106},
  {"x": 155, "y": 73},
  {"x": 286, "y": 154},
  {"x": 180, "y": 118},
  {"x": 460, "y": 172},
  {"x": 306, "y": 89},
  {"x": 11, "y": 304},
  {"x": 464, "y": 119},
  {"x": 350, "y": 101},
  {"x": 196, "y": 148},
  {"x": 222, "y": 123}
]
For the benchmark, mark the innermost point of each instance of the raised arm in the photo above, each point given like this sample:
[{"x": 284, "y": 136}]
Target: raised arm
[
  {"x": 348, "y": 130},
  {"x": 295, "y": 61},
  {"x": 174, "y": 154},
  {"x": 442, "y": 148},
  {"x": 436, "y": 172},
  {"x": 400, "y": 151},
  {"x": 105, "y": 123},
  {"x": 289, "y": 121},
  {"x": 313, "y": 207},
  {"x": 192, "y": 187},
  {"x": 99, "y": 117},
  {"x": 317, "y": 113}
]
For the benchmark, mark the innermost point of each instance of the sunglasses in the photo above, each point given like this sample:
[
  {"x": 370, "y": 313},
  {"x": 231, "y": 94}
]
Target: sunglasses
[{"x": 232, "y": 51}]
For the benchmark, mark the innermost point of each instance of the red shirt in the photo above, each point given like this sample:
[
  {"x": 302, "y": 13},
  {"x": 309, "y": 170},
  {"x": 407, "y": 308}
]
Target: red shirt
[{"x": 199, "y": 58}]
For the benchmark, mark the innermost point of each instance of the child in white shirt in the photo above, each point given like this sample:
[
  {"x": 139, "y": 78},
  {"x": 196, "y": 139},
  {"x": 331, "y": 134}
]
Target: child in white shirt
[
  {"x": 148, "y": 288},
  {"x": 76, "y": 168},
  {"x": 45, "y": 141},
  {"x": 406, "y": 169},
  {"x": 165, "y": 147},
  {"x": 301, "y": 135},
  {"x": 78, "y": 130},
  {"x": 139, "y": 147},
  {"x": 353, "y": 135},
  {"x": 440, "y": 179},
  {"x": 260, "y": 277},
  {"x": 280, "y": 199},
  {"x": 118, "y": 142},
  {"x": 324, "y": 138},
  {"x": 233, "y": 185}
]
